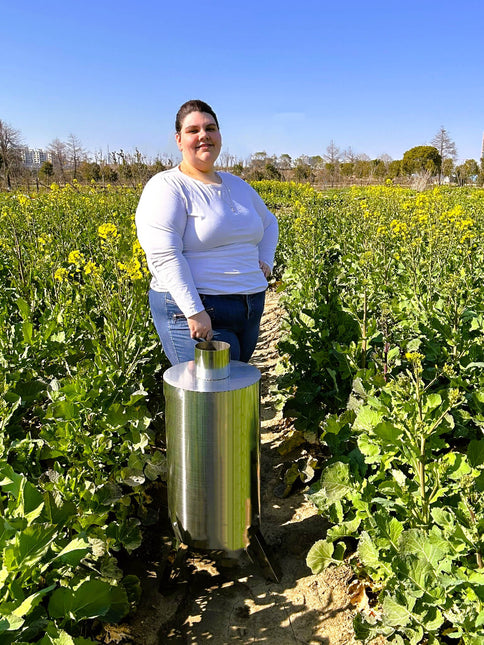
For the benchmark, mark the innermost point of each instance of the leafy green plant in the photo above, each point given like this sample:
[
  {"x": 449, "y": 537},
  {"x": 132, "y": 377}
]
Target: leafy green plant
[{"x": 399, "y": 423}]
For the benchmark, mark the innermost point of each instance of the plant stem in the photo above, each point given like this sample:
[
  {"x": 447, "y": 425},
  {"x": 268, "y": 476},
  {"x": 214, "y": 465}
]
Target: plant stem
[{"x": 363, "y": 329}]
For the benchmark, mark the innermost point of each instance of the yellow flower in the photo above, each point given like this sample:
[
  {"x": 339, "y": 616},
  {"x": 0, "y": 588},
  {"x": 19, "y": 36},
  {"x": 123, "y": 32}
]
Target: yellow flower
[
  {"x": 76, "y": 257},
  {"x": 61, "y": 274},
  {"x": 133, "y": 268},
  {"x": 414, "y": 357},
  {"x": 108, "y": 231},
  {"x": 91, "y": 268}
]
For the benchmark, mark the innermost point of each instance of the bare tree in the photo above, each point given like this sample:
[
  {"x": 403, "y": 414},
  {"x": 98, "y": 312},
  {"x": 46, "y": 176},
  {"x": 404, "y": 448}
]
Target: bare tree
[
  {"x": 333, "y": 153},
  {"x": 333, "y": 159},
  {"x": 349, "y": 155},
  {"x": 226, "y": 159},
  {"x": 445, "y": 146},
  {"x": 10, "y": 155},
  {"x": 58, "y": 152},
  {"x": 75, "y": 153}
]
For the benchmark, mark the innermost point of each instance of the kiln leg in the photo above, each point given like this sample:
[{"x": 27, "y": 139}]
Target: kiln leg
[
  {"x": 173, "y": 567},
  {"x": 258, "y": 552}
]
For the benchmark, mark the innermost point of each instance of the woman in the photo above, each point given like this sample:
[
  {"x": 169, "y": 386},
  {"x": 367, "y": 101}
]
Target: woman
[{"x": 209, "y": 241}]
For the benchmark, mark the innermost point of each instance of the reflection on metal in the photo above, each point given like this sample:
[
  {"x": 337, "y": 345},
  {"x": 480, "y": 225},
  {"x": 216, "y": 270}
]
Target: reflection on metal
[{"x": 212, "y": 428}]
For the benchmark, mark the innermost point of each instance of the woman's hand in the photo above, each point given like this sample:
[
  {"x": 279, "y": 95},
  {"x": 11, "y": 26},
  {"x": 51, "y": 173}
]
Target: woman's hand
[
  {"x": 200, "y": 325},
  {"x": 265, "y": 268}
]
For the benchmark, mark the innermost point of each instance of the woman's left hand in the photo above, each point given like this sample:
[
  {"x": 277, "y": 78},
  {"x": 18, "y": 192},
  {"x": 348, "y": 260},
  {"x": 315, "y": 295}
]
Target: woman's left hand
[{"x": 265, "y": 268}]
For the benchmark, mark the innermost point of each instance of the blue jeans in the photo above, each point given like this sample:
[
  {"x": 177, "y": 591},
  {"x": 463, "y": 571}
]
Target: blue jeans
[{"x": 235, "y": 320}]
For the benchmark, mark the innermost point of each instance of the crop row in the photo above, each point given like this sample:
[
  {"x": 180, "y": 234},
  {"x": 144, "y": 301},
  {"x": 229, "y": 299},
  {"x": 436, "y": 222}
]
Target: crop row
[
  {"x": 381, "y": 373},
  {"x": 80, "y": 411}
]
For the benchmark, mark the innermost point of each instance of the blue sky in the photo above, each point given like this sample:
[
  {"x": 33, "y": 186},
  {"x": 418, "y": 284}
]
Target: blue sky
[{"x": 283, "y": 77}]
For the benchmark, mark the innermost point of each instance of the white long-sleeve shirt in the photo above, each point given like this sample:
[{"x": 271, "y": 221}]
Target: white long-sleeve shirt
[{"x": 204, "y": 238}]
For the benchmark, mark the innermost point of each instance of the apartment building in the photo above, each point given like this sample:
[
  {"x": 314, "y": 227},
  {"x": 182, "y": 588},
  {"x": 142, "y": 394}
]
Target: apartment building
[{"x": 34, "y": 157}]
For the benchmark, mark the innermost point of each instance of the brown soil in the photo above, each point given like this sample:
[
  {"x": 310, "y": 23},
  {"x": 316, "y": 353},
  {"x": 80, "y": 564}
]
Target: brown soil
[{"x": 218, "y": 600}]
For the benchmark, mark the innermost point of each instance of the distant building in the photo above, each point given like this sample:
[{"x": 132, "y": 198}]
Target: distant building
[{"x": 34, "y": 157}]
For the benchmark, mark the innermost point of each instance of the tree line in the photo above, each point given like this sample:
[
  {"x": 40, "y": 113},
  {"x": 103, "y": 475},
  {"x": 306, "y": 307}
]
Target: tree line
[{"x": 69, "y": 161}]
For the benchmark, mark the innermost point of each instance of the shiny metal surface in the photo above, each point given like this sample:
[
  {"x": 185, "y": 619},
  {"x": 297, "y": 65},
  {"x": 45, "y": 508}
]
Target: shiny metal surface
[
  {"x": 212, "y": 428},
  {"x": 212, "y": 360}
]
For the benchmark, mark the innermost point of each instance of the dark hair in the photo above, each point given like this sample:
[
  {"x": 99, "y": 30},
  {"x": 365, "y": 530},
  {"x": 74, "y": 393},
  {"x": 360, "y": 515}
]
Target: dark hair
[{"x": 193, "y": 106}]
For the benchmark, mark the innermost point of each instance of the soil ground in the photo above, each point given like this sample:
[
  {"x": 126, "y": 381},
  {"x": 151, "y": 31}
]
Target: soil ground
[{"x": 218, "y": 600}]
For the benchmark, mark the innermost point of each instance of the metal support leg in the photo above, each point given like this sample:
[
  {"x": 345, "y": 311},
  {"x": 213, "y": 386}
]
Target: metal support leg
[{"x": 258, "y": 552}]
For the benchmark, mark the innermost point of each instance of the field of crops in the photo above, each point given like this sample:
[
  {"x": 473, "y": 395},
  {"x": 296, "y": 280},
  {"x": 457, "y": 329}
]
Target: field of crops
[
  {"x": 382, "y": 369},
  {"x": 381, "y": 372}
]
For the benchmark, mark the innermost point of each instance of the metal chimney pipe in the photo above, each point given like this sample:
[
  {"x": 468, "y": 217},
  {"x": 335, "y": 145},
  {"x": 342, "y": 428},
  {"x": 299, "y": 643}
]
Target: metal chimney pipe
[{"x": 213, "y": 436}]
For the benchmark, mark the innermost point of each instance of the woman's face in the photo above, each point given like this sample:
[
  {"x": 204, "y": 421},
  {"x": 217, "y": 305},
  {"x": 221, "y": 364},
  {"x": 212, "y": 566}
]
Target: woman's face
[{"x": 199, "y": 140}]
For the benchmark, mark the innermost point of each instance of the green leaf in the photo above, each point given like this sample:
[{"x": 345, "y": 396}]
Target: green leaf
[
  {"x": 368, "y": 552},
  {"x": 10, "y": 623},
  {"x": 24, "y": 308},
  {"x": 27, "y": 331},
  {"x": 430, "y": 547},
  {"x": 480, "y": 619},
  {"x": 394, "y": 613},
  {"x": 29, "y": 500},
  {"x": 93, "y": 599},
  {"x": 390, "y": 528},
  {"x": 29, "y": 547},
  {"x": 432, "y": 401},
  {"x": 387, "y": 431},
  {"x": 32, "y": 601},
  {"x": 320, "y": 556},
  {"x": 336, "y": 481},
  {"x": 56, "y": 636},
  {"x": 369, "y": 448},
  {"x": 443, "y": 518},
  {"x": 66, "y": 410},
  {"x": 417, "y": 570},
  {"x": 475, "y": 452},
  {"x": 307, "y": 320},
  {"x": 74, "y": 552},
  {"x": 345, "y": 529},
  {"x": 126, "y": 533},
  {"x": 367, "y": 419}
]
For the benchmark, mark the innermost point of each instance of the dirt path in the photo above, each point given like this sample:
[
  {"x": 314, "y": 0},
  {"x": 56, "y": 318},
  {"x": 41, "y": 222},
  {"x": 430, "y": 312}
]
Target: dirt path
[{"x": 222, "y": 601}]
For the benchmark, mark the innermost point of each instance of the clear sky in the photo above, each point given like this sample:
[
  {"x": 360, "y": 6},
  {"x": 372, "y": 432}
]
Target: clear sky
[{"x": 283, "y": 76}]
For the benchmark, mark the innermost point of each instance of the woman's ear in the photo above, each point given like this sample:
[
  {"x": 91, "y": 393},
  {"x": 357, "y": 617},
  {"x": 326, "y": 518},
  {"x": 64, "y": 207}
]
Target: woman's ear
[{"x": 178, "y": 141}]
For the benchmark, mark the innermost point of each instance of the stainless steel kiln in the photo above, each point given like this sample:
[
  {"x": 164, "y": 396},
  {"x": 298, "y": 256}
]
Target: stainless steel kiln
[{"x": 213, "y": 437}]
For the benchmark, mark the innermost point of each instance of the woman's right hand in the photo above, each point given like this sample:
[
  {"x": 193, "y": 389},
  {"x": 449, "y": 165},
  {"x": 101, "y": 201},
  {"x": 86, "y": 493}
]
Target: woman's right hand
[{"x": 200, "y": 325}]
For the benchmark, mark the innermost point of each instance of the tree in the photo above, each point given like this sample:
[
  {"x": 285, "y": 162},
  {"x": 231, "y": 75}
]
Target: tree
[
  {"x": 284, "y": 162},
  {"x": 333, "y": 153},
  {"x": 333, "y": 158},
  {"x": 349, "y": 155},
  {"x": 90, "y": 170},
  {"x": 378, "y": 168},
  {"x": 10, "y": 156},
  {"x": 447, "y": 167},
  {"x": 466, "y": 170},
  {"x": 303, "y": 173},
  {"x": 74, "y": 153},
  {"x": 394, "y": 168},
  {"x": 46, "y": 170},
  {"x": 347, "y": 168},
  {"x": 422, "y": 159},
  {"x": 58, "y": 153},
  {"x": 445, "y": 146}
]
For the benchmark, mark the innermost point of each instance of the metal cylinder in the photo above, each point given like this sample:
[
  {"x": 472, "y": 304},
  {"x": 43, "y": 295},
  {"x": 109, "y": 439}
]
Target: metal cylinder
[{"x": 213, "y": 435}]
